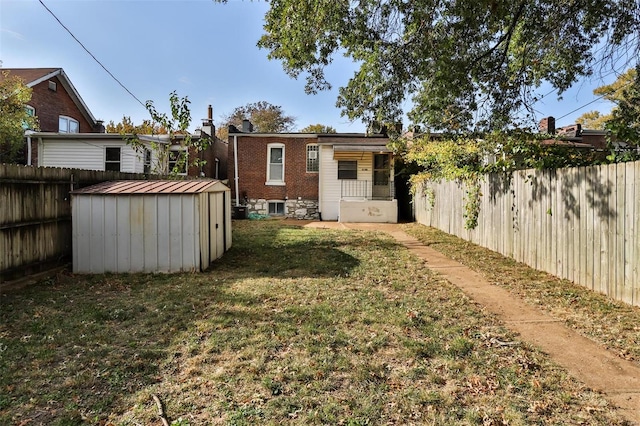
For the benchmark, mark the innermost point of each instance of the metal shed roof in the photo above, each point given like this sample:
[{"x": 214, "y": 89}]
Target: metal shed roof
[{"x": 152, "y": 187}]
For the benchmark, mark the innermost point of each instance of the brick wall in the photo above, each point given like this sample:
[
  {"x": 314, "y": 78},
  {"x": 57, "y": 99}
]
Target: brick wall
[
  {"x": 49, "y": 105},
  {"x": 252, "y": 164}
]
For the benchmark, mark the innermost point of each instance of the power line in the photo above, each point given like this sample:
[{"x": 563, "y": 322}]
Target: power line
[
  {"x": 92, "y": 55},
  {"x": 589, "y": 103}
]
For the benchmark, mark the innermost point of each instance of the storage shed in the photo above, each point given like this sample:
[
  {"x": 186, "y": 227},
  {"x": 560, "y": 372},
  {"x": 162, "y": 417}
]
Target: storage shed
[{"x": 150, "y": 226}]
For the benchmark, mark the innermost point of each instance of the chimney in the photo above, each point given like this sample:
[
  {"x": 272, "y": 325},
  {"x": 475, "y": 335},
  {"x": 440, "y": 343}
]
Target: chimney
[
  {"x": 99, "y": 127},
  {"x": 547, "y": 125},
  {"x": 247, "y": 127},
  {"x": 207, "y": 123}
]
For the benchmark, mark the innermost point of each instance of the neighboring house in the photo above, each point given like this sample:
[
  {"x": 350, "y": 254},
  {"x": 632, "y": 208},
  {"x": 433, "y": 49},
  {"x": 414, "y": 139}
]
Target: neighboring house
[
  {"x": 573, "y": 135},
  {"x": 110, "y": 151},
  {"x": 345, "y": 177},
  {"x": 56, "y": 103}
]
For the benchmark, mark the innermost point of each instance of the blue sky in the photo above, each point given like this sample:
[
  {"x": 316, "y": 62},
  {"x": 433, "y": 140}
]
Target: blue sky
[{"x": 202, "y": 49}]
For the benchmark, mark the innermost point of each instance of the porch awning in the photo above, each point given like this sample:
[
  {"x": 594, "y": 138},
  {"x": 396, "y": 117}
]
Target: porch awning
[{"x": 361, "y": 148}]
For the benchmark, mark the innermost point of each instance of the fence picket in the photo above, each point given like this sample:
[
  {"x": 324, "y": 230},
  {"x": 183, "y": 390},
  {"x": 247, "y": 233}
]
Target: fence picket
[{"x": 582, "y": 224}]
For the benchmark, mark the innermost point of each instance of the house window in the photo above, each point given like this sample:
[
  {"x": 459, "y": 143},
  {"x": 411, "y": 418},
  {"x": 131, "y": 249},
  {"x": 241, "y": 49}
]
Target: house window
[
  {"x": 178, "y": 161},
  {"x": 347, "y": 169},
  {"x": 147, "y": 161},
  {"x": 312, "y": 158},
  {"x": 112, "y": 159},
  {"x": 276, "y": 208},
  {"x": 275, "y": 164},
  {"x": 68, "y": 125}
]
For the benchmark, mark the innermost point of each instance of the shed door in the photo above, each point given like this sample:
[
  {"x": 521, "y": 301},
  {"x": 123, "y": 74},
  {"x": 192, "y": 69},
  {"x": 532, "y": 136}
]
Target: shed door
[{"x": 216, "y": 221}]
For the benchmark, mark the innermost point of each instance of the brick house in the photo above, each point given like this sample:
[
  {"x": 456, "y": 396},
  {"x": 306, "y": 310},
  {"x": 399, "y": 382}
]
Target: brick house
[
  {"x": 57, "y": 104},
  {"x": 345, "y": 177}
]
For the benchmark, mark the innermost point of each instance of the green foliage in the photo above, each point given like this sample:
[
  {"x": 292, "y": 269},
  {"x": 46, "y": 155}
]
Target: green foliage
[
  {"x": 176, "y": 127},
  {"x": 451, "y": 159},
  {"x": 615, "y": 92},
  {"x": 318, "y": 128},
  {"x": 467, "y": 158},
  {"x": 593, "y": 120},
  {"x": 14, "y": 118},
  {"x": 126, "y": 126},
  {"x": 625, "y": 122},
  {"x": 463, "y": 64},
  {"x": 265, "y": 117}
]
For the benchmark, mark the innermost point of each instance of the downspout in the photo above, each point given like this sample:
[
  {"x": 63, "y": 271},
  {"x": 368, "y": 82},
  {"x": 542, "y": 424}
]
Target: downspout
[
  {"x": 235, "y": 167},
  {"x": 29, "y": 153}
]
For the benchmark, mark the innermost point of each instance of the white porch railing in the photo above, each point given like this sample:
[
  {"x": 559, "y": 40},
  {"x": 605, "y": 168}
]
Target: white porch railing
[{"x": 366, "y": 190}]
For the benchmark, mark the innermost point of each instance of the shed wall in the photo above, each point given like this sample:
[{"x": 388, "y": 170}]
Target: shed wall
[{"x": 136, "y": 233}]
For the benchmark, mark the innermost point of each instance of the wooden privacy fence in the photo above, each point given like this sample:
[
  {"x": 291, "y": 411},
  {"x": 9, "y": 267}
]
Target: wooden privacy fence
[
  {"x": 581, "y": 224},
  {"x": 35, "y": 215}
]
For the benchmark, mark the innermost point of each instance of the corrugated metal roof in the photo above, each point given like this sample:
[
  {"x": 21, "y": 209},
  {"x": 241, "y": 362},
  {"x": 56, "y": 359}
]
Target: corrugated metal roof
[{"x": 150, "y": 187}]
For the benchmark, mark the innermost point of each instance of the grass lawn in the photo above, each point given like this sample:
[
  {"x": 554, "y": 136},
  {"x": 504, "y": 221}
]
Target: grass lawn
[
  {"x": 292, "y": 326},
  {"x": 615, "y": 325}
]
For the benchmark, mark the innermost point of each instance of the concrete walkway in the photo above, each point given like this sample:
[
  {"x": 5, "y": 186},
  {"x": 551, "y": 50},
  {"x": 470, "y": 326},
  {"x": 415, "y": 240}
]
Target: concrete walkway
[{"x": 616, "y": 378}]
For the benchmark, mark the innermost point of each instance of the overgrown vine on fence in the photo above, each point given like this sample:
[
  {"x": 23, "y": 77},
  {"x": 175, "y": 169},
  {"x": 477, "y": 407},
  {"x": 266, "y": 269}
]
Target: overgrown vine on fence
[{"x": 467, "y": 159}]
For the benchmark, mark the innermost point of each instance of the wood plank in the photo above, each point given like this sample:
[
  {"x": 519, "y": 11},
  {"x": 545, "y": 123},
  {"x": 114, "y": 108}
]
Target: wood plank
[
  {"x": 578, "y": 239},
  {"x": 517, "y": 241},
  {"x": 588, "y": 230},
  {"x": 597, "y": 228},
  {"x": 620, "y": 231},
  {"x": 635, "y": 260},
  {"x": 562, "y": 225},
  {"x": 630, "y": 242},
  {"x": 603, "y": 195}
]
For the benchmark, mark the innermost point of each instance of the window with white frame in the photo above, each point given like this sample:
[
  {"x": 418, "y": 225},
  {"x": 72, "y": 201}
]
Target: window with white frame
[
  {"x": 178, "y": 161},
  {"x": 112, "y": 158},
  {"x": 312, "y": 158},
  {"x": 347, "y": 169},
  {"x": 275, "y": 164},
  {"x": 276, "y": 208},
  {"x": 68, "y": 125}
]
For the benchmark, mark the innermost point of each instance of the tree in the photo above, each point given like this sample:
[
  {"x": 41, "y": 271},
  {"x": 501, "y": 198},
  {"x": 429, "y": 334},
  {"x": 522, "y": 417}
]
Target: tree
[
  {"x": 176, "y": 126},
  {"x": 265, "y": 117},
  {"x": 127, "y": 126},
  {"x": 593, "y": 120},
  {"x": 625, "y": 119},
  {"x": 318, "y": 128},
  {"x": 613, "y": 92},
  {"x": 464, "y": 64},
  {"x": 14, "y": 117}
]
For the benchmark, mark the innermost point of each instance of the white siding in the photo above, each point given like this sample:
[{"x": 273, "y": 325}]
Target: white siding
[
  {"x": 88, "y": 155},
  {"x": 329, "y": 184}
]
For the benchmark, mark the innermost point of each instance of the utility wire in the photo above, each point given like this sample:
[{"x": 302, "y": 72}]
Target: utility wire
[
  {"x": 589, "y": 103},
  {"x": 92, "y": 55}
]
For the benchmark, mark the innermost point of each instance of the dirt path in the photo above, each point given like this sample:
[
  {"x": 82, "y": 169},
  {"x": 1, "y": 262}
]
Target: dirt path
[{"x": 617, "y": 379}]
